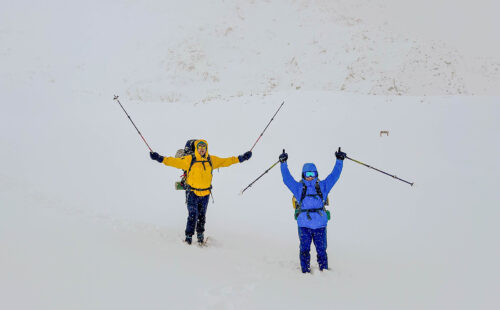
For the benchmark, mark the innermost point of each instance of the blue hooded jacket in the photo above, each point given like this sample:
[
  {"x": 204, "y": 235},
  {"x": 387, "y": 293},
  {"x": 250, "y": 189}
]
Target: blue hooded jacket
[{"x": 318, "y": 219}]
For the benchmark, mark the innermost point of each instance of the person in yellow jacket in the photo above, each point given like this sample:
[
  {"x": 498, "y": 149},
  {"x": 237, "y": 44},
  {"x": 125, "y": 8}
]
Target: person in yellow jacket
[{"x": 199, "y": 168}]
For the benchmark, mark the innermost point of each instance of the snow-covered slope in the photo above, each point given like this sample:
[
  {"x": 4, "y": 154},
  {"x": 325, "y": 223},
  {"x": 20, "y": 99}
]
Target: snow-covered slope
[{"x": 88, "y": 221}]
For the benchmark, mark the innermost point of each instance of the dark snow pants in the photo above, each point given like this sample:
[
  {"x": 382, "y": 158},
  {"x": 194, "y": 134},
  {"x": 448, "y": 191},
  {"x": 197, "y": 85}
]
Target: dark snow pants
[
  {"x": 318, "y": 236},
  {"x": 197, "y": 209}
]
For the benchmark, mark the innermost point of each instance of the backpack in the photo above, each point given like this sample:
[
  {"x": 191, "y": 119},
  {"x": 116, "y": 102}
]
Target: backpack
[
  {"x": 189, "y": 151},
  {"x": 297, "y": 204}
]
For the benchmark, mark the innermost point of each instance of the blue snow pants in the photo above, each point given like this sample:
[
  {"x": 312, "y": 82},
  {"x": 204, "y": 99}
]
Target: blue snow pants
[
  {"x": 318, "y": 236},
  {"x": 197, "y": 209}
]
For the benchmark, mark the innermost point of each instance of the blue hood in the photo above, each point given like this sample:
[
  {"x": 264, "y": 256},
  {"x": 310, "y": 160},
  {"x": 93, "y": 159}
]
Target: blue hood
[{"x": 309, "y": 167}]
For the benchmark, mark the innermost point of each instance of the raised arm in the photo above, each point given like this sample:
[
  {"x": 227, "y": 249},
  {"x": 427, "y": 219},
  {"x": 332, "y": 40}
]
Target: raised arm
[
  {"x": 218, "y": 162},
  {"x": 181, "y": 163},
  {"x": 327, "y": 184},
  {"x": 332, "y": 178},
  {"x": 294, "y": 186}
]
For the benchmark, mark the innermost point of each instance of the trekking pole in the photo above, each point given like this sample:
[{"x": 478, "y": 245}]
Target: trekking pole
[
  {"x": 259, "y": 177},
  {"x": 116, "y": 98},
  {"x": 357, "y": 161},
  {"x": 267, "y": 125}
]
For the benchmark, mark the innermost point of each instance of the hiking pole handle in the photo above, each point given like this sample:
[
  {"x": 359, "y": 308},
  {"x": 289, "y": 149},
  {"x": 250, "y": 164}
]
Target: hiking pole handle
[
  {"x": 116, "y": 99},
  {"x": 272, "y": 118},
  {"x": 395, "y": 177},
  {"x": 260, "y": 176}
]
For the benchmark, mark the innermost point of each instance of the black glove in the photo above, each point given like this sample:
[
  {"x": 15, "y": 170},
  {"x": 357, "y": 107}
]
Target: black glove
[
  {"x": 283, "y": 157},
  {"x": 340, "y": 155},
  {"x": 245, "y": 156},
  {"x": 156, "y": 156}
]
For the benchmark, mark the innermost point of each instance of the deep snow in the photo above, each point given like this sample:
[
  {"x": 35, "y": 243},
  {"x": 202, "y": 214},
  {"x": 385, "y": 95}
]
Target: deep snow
[{"x": 88, "y": 221}]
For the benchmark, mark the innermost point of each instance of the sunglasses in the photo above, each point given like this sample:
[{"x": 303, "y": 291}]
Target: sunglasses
[
  {"x": 310, "y": 174},
  {"x": 202, "y": 145}
]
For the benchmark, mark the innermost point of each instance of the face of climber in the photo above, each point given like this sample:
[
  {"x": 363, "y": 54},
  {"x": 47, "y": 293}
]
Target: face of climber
[{"x": 202, "y": 148}]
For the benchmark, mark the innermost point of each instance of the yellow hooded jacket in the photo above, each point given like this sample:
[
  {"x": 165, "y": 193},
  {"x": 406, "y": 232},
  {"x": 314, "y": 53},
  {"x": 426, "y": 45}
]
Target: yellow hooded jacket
[{"x": 200, "y": 175}]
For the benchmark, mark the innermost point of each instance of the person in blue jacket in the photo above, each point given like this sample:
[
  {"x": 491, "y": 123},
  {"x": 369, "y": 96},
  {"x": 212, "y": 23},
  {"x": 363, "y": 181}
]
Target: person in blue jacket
[{"x": 312, "y": 219}]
